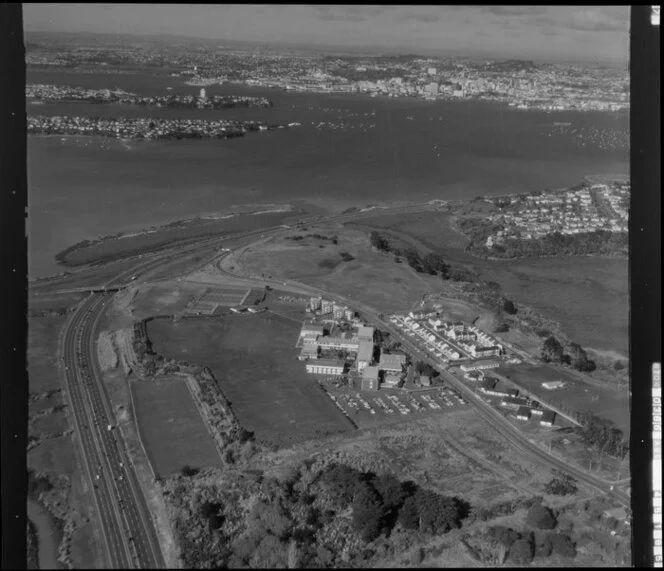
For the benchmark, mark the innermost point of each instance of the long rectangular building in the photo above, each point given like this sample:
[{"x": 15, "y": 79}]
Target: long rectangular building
[
  {"x": 326, "y": 367},
  {"x": 480, "y": 365}
]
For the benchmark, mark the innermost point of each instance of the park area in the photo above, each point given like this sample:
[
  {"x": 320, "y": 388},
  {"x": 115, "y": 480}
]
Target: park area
[
  {"x": 254, "y": 361},
  {"x": 171, "y": 427}
]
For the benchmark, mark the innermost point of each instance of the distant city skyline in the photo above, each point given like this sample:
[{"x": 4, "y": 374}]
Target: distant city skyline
[{"x": 566, "y": 33}]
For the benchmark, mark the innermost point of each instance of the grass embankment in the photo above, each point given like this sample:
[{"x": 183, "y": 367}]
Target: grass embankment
[{"x": 178, "y": 233}]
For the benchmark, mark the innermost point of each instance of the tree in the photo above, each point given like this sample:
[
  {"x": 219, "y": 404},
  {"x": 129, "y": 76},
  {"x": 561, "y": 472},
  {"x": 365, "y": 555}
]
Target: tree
[
  {"x": 563, "y": 545},
  {"x": 509, "y": 307},
  {"x": 368, "y": 512},
  {"x": 188, "y": 471},
  {"x": 522, "y": 552},
  {"x": 541, "y": 517},
  {"x": 379, "y": 242},
  {"x": 563, "y": 485},
  {"x": 552, "y": 350}
]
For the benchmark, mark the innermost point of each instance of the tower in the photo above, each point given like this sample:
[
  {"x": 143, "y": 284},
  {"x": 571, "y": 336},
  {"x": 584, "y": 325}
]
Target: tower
[{"x": 203, "y": 94}]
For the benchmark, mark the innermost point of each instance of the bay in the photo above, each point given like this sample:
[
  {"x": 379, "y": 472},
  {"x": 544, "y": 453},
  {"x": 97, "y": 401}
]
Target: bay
[{"x": 369, "y": 151}]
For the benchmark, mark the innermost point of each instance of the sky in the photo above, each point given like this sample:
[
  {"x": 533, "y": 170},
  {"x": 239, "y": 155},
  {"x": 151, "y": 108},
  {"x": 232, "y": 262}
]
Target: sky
[{"x": 566, "y": 33}]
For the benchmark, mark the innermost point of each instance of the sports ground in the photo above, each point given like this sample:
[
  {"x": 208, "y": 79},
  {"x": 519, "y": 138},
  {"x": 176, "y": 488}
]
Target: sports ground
[
  {"x": 171, "y": 427},
  {"x": 254, "y": 361}
]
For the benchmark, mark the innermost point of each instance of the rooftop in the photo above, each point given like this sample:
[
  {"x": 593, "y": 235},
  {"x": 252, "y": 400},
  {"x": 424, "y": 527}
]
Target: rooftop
[
  {"x": 328, "y": 363},
  {"x": 370, "y": 373}
]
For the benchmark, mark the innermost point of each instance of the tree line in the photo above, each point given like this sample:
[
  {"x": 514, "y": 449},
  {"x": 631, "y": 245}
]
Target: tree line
[
  {"x": 574, "y": 355},
  {"x": 432, "y": 263}
]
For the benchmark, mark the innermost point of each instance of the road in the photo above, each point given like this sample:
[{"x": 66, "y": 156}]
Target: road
[
  {"x": 129, "y": 538},
  {"x": 498, "y": 422},
  {"x": 128, "y": 532}
]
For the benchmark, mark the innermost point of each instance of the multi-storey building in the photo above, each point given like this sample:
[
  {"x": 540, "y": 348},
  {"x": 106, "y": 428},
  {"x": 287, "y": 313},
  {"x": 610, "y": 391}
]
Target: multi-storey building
[{"x": 326, "y": 367}]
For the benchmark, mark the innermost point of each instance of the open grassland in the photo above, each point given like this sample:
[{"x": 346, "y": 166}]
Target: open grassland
[
  {"x": 612, "y": 404},
  {"x": 177, "y": 233},
  {"x": 53, "y": 304},
  {"x": 171, "y": 427},
  {"x": 371, "y": 277},
  {"x": 434, "y": 229},
  {"x": 253, "y": 359}
]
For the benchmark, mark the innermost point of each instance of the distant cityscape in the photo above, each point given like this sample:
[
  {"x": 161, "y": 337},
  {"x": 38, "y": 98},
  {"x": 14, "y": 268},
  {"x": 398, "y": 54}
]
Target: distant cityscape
[{"x": 521, "y": 84}]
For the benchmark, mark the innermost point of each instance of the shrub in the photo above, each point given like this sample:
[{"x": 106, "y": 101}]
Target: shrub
[{"x": 188, "y": 471}]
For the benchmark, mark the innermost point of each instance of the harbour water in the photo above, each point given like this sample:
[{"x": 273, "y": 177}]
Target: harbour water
[{"x": 351, "y": 150}]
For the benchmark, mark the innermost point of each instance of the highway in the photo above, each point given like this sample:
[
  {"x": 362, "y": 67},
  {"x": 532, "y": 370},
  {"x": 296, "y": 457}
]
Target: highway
[
  {"x": 129, "y": 537},
  {"x": 128, "y": 533}
]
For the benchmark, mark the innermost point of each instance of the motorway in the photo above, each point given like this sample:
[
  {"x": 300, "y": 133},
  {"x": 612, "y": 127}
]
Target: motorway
[{"x": 128, "y": 533}]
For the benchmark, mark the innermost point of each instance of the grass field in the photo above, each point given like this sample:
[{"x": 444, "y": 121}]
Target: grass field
[
  {"x": 254, "y": 360},
  {"x": 171, "y": 427},
  {"x": 372, "y": 277},
  {"x": 576, "y": 395}
]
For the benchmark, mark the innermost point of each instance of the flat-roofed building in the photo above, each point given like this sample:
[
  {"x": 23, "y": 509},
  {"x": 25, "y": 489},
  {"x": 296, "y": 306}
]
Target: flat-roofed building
[
  {"x": 391, "y": 381},
  {"x": 480, "y": 365},
  {"x": 392, "y": 362},
  {"x": 514, "y": 402},
  {"x": 476, "y": 351},
  {"x": 548, "y": 418},
  {"x": 311, "y": 328},
  {"x": 314, "y": 303},
  {"x": 338, "y": 311},
  {"x": 365, "y": 333},
  {"x": 370, "y": 379},
  {"x": 425, "y": 380},
  {"x": 364, "y": 354},
  {"x": 308, "y": 352},
  {"x": 326, "y": 306},
  {"x": 523, "y": 413},
  {"x": 338, "y": 343},
  {"x": 326, "y": 367},
  {"x": 349, "y": 314}
]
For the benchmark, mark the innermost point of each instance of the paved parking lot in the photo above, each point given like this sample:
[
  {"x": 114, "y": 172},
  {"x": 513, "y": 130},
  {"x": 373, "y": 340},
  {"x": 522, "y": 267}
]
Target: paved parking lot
[{"x": 366, "y": 408}]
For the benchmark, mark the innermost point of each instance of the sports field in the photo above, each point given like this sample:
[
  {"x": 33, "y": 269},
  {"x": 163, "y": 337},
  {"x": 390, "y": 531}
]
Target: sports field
[
  {"x": 171, "y": 427},
  {"x": 254, "y": 360}
]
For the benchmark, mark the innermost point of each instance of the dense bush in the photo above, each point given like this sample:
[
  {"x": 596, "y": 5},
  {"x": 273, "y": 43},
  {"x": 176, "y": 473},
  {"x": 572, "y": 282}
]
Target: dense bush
[
  {"x": 562, "y": 485},
  {"x": 522, "y": 552},
  {"x": 562, "y": 545},
  {"x": 541, "y": 517}
]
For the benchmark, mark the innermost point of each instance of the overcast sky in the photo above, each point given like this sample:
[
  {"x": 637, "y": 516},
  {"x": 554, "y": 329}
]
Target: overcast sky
[{"x": 530, "y": 32}]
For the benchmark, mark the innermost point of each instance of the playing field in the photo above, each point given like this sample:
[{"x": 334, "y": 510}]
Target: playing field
[
  {"x": 254, "y": 360},
  {"x": 171, "y": 427}
]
